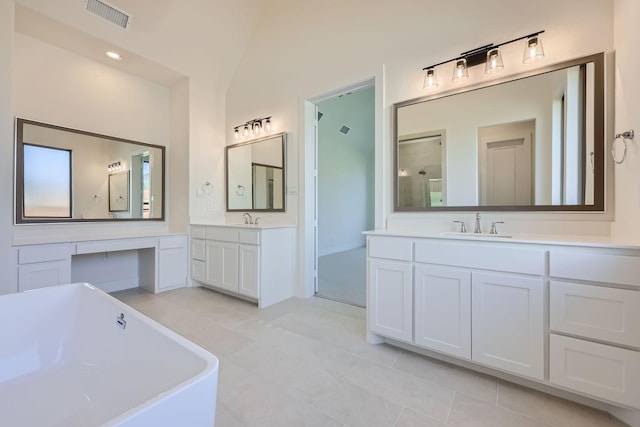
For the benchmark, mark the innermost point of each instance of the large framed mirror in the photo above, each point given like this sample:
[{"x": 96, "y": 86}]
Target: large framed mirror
[
  {"x": 70, "y": 175},
  {"x": 532, "y": 142},
  {"x": 255, "y": 175}
]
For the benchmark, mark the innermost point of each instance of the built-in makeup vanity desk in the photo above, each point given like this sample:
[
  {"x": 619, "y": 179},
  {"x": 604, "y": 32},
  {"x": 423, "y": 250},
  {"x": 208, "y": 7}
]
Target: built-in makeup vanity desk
[
  {"x": 560, "y": 313},
  {"x": 251, "y": 262},
  {"x": 155, "y": 263}
]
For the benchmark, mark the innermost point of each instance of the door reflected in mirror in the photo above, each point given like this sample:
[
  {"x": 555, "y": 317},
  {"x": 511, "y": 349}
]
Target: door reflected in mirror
[
  {"x": 529, "y": 142},
  {"x": 256, "y": 175},
  {"x": 67, "y": 175}
]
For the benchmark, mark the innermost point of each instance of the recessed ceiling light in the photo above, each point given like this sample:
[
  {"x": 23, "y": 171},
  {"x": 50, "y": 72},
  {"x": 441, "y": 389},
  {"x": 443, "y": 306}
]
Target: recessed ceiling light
[{"x": 114, "y": 55}]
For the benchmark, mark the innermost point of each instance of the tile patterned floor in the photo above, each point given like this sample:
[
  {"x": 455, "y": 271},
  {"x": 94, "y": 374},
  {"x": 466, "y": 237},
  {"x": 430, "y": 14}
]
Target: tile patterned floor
[{"x": 305, "y": 363}]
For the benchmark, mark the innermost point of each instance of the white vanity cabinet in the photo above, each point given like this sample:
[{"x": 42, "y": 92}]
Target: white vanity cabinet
[
  {"x": 41, "y": 266},
  {"x": 481, "y": 301},
  {"x": 477, "y": 301},
  {"x": 560, "y": 315},
  {"x": 172, "y": 262},
  {"x": 594, "y": 316},
  {"x": 254, "y": 263},
  {"x": 390, "y": 291},
  {"x": 154, "y": 263}
]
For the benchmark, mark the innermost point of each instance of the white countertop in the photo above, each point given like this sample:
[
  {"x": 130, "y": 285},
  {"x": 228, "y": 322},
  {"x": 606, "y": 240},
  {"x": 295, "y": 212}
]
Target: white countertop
[
  {"x": 240, "y": 225},
  {"x": 538, "y": 239}
]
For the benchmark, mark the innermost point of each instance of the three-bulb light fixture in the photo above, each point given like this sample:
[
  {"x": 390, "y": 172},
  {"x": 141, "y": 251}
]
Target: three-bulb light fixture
[
  {"x": 489, "y": 55},
  {"x": 255, "y": 126},
  {"x": 114, "y": 167}
]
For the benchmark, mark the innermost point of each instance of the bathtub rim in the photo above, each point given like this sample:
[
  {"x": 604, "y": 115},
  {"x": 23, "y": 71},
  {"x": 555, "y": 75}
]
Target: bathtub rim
[{"x": 211, "y": 367}]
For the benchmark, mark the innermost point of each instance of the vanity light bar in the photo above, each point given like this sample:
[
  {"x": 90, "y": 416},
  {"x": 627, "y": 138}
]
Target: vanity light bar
[
  {"x": 256, "y": 126},
  {"x": 489, "y": 55}
]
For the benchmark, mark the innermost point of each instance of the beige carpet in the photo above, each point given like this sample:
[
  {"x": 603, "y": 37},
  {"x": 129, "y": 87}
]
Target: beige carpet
[{"x": 342, "y": 277}]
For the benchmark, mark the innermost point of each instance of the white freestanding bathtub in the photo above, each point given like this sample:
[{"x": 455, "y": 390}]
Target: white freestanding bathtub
[{"x": 72, "y": 355}]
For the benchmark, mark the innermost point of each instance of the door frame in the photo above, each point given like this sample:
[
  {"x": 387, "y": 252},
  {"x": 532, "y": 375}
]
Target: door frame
[{"x": 308, "y": 161}]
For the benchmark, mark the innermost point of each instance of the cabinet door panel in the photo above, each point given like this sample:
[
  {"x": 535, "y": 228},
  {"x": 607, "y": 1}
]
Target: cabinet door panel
[
  {"x": 508, "y": 326},
  {"x": 390, "y": 299},
  {"x": 222, "y": 265},
  {"x": 198, "y": 270},
  {"x": 43, "y": 274},
  {"x": 172, "y": 267},
  {"x": 443, "y": 310},
  {"x": 249, "y": 270},
  {"x": 597, "y": 369}
]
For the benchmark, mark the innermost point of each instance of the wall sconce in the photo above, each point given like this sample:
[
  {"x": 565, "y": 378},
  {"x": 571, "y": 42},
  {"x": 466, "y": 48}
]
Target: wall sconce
[
  {"x": 256, "y": 126},
  {"x": 489, "y": 55},
  {"x": 114, "y": 167}
]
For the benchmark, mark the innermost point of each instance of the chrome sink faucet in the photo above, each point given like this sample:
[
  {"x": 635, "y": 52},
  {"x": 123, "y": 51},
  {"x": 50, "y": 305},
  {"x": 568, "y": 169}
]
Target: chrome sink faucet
[
  {"x": 463, "y": 229},
  {"x": 247, "y": 218},
  {"x": 477, "y": 228},
  {"x": 494, "y": 230}
]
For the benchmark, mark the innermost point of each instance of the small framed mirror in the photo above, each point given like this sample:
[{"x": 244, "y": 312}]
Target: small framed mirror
[
  {"x": 119, "y": 192},
  {"x": 255, "y": 173}
]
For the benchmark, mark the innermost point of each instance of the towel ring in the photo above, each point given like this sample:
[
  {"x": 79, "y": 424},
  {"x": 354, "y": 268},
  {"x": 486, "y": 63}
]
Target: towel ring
[
  {"x": 241, "y": 190},
  {"x": 624, "y": 136}
]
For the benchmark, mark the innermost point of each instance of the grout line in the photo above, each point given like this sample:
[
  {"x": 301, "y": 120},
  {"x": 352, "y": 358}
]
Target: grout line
[
  {"x": 395, "y": 423},
  {"x": 396, "y": 359},
  {"x": 455, "y": 394}
]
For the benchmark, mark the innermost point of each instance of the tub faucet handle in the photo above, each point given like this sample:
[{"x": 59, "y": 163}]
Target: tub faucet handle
[
  {"x": 463, "y": 229},
  {"x": 494, "y": 230}
]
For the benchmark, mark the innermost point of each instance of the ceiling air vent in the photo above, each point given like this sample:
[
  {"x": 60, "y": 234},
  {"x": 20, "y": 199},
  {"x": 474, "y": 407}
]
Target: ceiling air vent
[
  {"x": 345, "y": 129},
  {"x": 108, "y": 12}
]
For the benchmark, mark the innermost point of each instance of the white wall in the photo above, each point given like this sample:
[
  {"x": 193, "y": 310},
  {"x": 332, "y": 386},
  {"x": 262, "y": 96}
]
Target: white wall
[
  {"x": 80, "y": 93},
  {"x": 315, "y": 48},
  {"x": 627, "y": 116},
  {"x": 7, "y": 285}
]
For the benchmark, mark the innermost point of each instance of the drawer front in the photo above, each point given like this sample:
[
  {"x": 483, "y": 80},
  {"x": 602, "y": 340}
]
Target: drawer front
[
  {"x": 595, "y": 267},
  {"x": 198, "y": 232},
  {"x": 43, "y": 275},
  {"x": 198, "y": 270},
  {"x": 251, "y": 237},
  {"x": 390, "y": 248},
  {"x": 597, "y": 369},
  {"x": 198, "y": 250},
  {"x": 224, "y": 234},
  {"x": 510, "y": 258},
  {"x": 43, "y": 253},
  {"x": 596, "y": 312},
  {"x": 170, "y": 242}
]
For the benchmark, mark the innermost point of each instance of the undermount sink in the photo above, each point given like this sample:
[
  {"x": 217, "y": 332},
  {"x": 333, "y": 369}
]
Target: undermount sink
[{"x": 476, "y": 235}]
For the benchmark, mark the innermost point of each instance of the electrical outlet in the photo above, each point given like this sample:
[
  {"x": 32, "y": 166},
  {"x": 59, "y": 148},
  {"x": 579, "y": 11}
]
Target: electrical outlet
[{"x": 210, "y": 207}]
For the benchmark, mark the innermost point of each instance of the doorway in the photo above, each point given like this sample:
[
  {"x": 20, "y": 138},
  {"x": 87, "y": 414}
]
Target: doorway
[
  {"x": 505, "y": 166},
  {"x": 345, "y": 192}
]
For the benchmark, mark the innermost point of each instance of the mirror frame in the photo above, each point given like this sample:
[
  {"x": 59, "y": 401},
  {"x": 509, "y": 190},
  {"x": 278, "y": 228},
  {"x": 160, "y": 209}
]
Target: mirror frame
[
  {"x": 19, "y": 175},
  {"x": 282, "y": 135},
  {"x": 598, "y": 130}
]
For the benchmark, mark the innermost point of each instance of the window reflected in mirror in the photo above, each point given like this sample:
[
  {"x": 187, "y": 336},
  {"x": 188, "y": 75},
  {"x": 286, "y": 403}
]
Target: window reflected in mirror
[{"x": 47, "y": 182}]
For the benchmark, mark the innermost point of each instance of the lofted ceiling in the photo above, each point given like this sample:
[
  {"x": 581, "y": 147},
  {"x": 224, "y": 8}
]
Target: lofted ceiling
[{"x": 166, "y": 41}]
